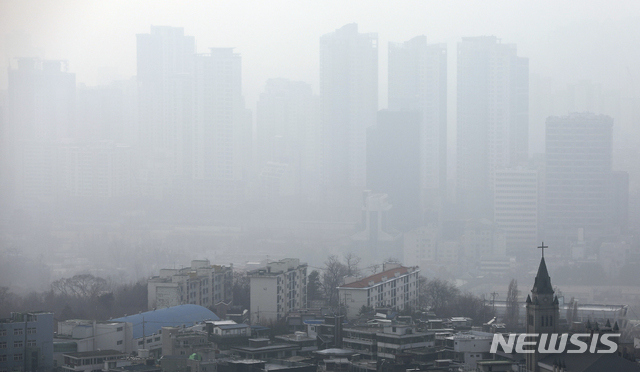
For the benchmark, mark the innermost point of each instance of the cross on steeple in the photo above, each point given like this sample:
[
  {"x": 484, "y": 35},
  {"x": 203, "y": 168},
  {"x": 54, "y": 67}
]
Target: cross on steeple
[{"x": 543, "y": 247}]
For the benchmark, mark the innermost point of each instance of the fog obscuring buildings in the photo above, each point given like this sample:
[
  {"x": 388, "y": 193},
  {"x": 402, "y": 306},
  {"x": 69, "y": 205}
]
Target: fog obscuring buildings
[
  {"x": 418, "y": 82},
  {"x": 349, "y": 102},
  {"x": 492, "y": 128},
  {"x": 578, "y": 177}
]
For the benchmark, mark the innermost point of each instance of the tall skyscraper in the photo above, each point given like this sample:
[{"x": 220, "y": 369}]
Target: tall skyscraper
[
  {"x": 288, "y": 139},
  {"x": 221, "y": 141},
  {"x": 579, "y": 153},
  {"x": 393, "y": 165},
  {"x": 41, "y": 111},
  {"x": 349, "y": 99},
  {"x": 492, "y": 117},
  {"x": 418, "y": 82},
  {"x": 165, "y": 85}
]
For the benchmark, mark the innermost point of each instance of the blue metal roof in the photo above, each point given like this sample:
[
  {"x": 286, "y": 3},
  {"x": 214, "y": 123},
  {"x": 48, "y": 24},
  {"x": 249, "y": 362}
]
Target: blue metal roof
[
  {"x": 168, "y": 317},
  {"x": 233, "y": 326}
]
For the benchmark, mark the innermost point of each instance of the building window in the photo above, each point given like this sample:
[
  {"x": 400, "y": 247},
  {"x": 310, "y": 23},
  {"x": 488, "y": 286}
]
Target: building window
[
  {"x": 119, "y": 329},
  {"x": 31, "y": 343},
  {"x": 17, "y": 331},
  {"x": 119, "y": 342},
  {"x": 3, "y": 344},
  {"x": 3, "y": 332},
  {"x": 3, "y": 358},
  {"x": 31, "y": 331},
  {"x": 17, "y": 344},
  {"x": 17, "y": 357}
]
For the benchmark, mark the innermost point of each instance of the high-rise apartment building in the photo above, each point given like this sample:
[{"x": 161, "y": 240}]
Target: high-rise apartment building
[
  {"x": 288, "y": 140},
  {"x": 41, "y": 111},
  {"x": 418, "y": 82},
  {"x": 349, "y": 101},
  {"x": 221, "y": 139},
  {"x": 492, "y": 117},
  {"x": 277, "y": 289},
  {"x": 579, "y": 152},
  {"x": 165, "y": 86}
]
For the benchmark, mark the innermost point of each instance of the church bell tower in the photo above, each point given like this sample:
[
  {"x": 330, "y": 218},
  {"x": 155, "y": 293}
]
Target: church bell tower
[{"x": 543, "y": 313}]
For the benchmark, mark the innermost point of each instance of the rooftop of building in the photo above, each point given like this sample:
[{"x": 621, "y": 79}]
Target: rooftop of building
[
  {"x": 381, "y": 277},
  {"x": 175, "y": 316},
  {"x": 277, "y": 267},
  {"x": 97, "y": 353},
  {"x": 17, "y": 317}
]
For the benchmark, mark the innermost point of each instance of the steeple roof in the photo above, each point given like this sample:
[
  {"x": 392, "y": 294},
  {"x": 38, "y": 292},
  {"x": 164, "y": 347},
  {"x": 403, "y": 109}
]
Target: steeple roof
[{"x": 542, "y": 284}]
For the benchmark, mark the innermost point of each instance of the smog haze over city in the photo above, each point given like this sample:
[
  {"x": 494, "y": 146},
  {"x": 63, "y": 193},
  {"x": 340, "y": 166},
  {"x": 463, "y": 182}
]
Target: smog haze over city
[{"x": 451, "y": 135}]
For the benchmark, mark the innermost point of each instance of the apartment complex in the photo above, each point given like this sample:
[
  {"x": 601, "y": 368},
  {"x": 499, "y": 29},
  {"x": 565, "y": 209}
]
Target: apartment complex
[
  {"x": 277, "y": 289},
  {"x": 200, "y": 284},
  {"x": 396, "y": 286}
]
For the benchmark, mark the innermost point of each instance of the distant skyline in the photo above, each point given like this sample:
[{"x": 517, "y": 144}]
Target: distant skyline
[
  {"x": 579, "y": 39},
  {"x": 565, "y": 42}
]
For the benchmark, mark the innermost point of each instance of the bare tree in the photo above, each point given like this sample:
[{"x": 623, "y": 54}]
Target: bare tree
[
  {"x": 80, "y": 286},
  {"x": 351, "y": 262},
  {"x": 333, "y": 276},
  {"x": 513, "y": 309},
  {"x": 440, "y": 295}
]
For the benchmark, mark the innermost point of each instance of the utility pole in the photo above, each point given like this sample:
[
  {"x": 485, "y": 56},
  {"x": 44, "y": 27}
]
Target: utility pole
[{"x": 493, "y": 301}]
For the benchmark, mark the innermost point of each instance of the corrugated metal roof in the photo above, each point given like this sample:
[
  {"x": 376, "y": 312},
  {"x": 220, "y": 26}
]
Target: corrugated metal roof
[{"x": 174, "y": 316}]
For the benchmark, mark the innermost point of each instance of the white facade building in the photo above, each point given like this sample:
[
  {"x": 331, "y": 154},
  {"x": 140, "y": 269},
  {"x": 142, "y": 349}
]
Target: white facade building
[
  {"x": 91, "y": 335},
  {"x": 396, "y": 286},
  {"x": 200, "y": 284},
  {"x": 277, "y": 289}
]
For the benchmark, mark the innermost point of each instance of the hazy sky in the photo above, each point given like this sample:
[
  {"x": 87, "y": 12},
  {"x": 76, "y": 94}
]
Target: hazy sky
[{"x": 568, "y": 40}]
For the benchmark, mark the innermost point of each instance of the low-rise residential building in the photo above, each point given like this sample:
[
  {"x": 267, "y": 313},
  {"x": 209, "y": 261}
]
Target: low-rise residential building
[
  {"x": 395, "y": 287},
  {"x": 147, "y": 326},
  {"x": 263, "y": 348},
  {"x": 26, "y": 342},
  {"x": 386, "y": 340},
  {"x": 90, "y": 361},
  {"x": 180, "y": 341},
  {"x": 90, "y": 335},
  {"x": 277, "y": 289},
  {"x": 469, "y": 347},
  {"x": 200, "y": 284}
]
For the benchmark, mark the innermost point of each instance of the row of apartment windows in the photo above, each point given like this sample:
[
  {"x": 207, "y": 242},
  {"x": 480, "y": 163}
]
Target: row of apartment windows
[
  {"x": 16, "y": 357},
  {"x": 17, "y": 344}
]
